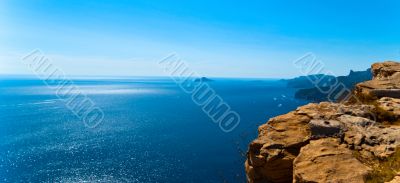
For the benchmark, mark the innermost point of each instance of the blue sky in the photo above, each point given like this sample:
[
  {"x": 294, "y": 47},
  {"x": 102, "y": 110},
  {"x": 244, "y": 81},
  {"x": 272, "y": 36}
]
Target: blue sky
[{"x": 220, "y": 39}]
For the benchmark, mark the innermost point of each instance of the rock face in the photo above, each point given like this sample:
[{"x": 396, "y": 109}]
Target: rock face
[
  {"x": 322, "y": 158},
  {"x": 278, "y": 145},
  {"x": 390, "y": 104},
  {"x": 385, "y": 70},
  {"x": 385, "y": 82},
  {"x": 326, "y": 142}
]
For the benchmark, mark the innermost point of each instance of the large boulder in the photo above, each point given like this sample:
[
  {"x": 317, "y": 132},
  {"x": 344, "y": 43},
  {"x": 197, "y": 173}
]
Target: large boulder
[
  {"x": 271, "y": 155},
  {"x": 390, "y": 104},
  {"x": 325, "y": 128},
  {"x": 385, "y": 82},
  {"x": 385, "y": 70},
  {"x": 326, "y": 161}
]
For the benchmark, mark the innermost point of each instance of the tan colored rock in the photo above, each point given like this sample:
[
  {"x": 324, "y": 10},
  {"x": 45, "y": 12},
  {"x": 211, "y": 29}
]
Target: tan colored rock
[
  {"x": 271, "y": 155},
  {"x": 385, "y": 70},
  {"x": 385, "y": 82},
  {"x": 323, "y": 110},
  {"x": 324, "y": 160},
  {"x": 353, "y": 139},
  {"x": 357, "y": 121},
  {"x": 315, "y": 143},
  {"x": 395, "y": 179},
  {"x": 273, "y": 152},
  {"x": 390, "y": 104}
]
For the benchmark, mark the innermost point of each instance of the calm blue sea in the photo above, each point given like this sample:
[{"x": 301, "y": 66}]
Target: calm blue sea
[{"x": 151, "y": 132}]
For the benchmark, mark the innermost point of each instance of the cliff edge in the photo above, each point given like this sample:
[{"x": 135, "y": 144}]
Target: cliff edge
[{"x": 353, "y": 141}]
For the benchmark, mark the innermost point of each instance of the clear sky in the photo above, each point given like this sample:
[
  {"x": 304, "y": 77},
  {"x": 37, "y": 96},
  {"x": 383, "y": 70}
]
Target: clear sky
[{"x": 229, "y": 38}]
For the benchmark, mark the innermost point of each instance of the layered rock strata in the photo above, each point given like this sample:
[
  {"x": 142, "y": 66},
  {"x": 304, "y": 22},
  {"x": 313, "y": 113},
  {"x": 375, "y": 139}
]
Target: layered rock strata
[{"x": 331, "y": 142}]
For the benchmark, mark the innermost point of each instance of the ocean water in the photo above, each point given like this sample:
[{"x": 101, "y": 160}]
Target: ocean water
[{"x": 152, "y": 131}]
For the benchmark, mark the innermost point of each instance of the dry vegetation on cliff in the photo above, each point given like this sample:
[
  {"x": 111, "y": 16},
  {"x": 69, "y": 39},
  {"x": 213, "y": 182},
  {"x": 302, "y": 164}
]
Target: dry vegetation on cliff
[
  {"x": 330, "y": 142},
  {"x": 384, "y": 170}
]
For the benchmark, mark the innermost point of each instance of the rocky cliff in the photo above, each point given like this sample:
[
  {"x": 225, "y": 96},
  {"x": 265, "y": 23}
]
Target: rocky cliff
[
  {"x": 386, "y": 82},
  {"x": 353, "y": 141}
]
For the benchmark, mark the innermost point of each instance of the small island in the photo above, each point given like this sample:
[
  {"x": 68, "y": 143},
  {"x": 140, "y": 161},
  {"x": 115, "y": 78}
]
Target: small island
[{"x": 203, "y": 79}]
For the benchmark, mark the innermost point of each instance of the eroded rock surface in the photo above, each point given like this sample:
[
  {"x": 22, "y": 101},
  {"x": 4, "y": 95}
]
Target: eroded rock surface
[
  {"x": 385, "y": 82},
  {"x": 390, "y": 105},
  {"x": 323, "y": 158},
  {"x": 318, "y": 142},
  {"x": 279, "y": 143}
]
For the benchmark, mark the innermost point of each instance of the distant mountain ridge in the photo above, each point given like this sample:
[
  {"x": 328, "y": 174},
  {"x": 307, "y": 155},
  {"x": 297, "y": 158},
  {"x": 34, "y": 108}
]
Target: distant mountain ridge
[
  {"x": 309, "y": 87},
  {"x": 308, "y": 81}
]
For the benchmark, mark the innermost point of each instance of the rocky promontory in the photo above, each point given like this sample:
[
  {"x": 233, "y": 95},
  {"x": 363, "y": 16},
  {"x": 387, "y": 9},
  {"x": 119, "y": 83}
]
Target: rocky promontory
[
  {"x": 353, "y": 141},
  {"x": 386, "y": 82}
]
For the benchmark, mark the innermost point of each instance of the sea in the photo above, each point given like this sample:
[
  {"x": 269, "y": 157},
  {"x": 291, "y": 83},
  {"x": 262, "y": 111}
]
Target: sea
[{"x": 151, "y": 131}]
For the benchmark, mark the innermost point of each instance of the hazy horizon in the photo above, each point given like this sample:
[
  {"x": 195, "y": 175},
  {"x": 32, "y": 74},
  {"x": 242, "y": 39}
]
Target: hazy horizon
[{"x": 150, "y": 76}]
